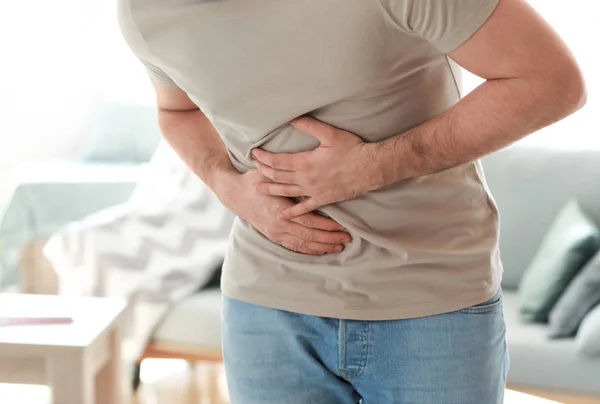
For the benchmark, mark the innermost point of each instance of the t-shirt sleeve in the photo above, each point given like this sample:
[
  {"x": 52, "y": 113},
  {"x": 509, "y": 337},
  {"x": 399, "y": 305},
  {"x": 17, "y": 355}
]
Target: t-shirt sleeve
[
  {"x": 134, "y": 39},
  {"x": 446, "y": 24},
  {"x": 158, "y": 76}
]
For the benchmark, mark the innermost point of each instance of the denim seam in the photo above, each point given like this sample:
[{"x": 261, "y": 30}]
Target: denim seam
[
  {"x": 483, "y": 309},
  {"x": 478, "y": 311},
  {"x": 365, "y": 355},
  {"x": 342, "y": 348}
]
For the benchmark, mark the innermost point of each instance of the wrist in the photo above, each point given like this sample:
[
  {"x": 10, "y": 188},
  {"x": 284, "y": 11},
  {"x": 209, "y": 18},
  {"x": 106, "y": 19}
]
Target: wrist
[
  {"x": 373, "y": 168},
  {"x": 223, "y": 182}
]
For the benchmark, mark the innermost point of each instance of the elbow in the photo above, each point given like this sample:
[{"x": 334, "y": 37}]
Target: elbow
[
  {"x": 568, "y": 92},
  {"x": 576, "y": 92}
]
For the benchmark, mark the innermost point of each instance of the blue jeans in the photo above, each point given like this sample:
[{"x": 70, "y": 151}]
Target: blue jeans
[{"x": 278, "y": 357}]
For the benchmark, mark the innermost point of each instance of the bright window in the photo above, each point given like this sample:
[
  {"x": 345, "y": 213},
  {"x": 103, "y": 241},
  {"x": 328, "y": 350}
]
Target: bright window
[{"x": 578, "y": 23}]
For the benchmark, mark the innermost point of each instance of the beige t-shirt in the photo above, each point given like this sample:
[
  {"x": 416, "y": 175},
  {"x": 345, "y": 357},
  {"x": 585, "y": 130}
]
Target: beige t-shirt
[{"x": 376, "y": 68}]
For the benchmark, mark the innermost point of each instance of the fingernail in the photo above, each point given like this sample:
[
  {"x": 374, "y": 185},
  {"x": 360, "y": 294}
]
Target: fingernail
[
  {"x": 279, "y": 217},
  {"x": 339, "y": 248}
]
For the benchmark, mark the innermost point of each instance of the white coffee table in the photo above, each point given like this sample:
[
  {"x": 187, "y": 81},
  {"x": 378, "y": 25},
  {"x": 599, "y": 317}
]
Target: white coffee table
[{"x": 81, "y": 362}]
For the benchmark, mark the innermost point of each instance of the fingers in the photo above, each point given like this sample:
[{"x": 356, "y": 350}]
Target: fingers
[
  {"x": 272, "y": 188},
  {"x": 294, "y": 243},
  {"x": 279, "y": 176},
  {"x": 319, "y": 236},
  {"x": 323, "y": 132},
  {"x": 282, "y": 161},
  {"x": 301, "y": 208},
  {"x": 314, "y": 221}
]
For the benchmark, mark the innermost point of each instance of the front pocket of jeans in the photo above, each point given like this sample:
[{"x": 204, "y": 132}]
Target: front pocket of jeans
[{"x": 489, "y": 306}]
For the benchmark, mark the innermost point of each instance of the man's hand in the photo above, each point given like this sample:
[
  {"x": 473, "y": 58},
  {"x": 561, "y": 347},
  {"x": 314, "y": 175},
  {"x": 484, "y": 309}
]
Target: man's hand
[
  {"x": 309, "y": 233},
  {"x": 532, "y": 81},
  {"x": 194, "y": 138},
  {"x": 339, "y": 169}
]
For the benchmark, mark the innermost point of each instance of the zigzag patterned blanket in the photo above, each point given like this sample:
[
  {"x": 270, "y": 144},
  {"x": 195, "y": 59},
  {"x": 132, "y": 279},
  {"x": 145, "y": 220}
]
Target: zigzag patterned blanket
[{"x": 153, "y": 251}]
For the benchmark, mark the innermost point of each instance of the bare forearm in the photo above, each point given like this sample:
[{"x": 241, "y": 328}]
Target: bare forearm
[
  {"x": 496, "y": 114},
  {"x": 197, "y": 142}
]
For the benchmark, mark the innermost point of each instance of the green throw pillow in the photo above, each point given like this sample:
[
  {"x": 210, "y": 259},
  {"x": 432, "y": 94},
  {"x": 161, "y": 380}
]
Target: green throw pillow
[{"x": 571, "y": 241}]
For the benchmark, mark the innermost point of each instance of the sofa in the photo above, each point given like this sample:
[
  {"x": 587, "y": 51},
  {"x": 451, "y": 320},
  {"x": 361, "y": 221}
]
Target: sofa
[
  {"x": 118, "y": 140},
  {"x": 530, "y": 186}
]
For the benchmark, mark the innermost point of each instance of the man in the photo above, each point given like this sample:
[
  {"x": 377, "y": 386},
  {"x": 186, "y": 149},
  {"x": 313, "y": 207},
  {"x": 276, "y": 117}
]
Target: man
[{"x": 364, "y": 264}]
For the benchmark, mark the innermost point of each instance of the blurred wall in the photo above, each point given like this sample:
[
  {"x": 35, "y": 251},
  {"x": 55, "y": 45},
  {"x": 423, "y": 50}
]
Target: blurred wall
[{"x": 59, "y": 60}]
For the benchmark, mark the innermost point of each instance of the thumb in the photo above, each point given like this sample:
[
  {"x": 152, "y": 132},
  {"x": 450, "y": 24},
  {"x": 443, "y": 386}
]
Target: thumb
[{"x": 321, "y": 131}]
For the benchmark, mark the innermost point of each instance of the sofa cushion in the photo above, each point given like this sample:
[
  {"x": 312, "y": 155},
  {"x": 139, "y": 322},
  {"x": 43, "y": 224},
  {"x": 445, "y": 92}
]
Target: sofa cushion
[
  {"x": 588, "y": 337},
  {"x": 571, "y": 241},
  {"x": 539, "y": 362},
  {"x": 531, "y": 185},
  {"x": 579, "y": 298},
  {"x": 195, "y": 321}
]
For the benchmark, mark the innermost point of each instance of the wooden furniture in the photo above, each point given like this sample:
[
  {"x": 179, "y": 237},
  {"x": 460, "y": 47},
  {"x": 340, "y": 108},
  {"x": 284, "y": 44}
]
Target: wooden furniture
[
  {"x": 211, "y": 364},
  {"x": 192, "y": 331},
  {"x": 81, "y": 361},
  {"x": 38, "y": 276}
]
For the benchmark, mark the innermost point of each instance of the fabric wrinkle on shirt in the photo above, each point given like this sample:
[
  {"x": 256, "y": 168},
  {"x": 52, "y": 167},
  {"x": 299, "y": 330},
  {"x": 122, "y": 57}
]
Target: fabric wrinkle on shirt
[{"x": 422, "y": 246}]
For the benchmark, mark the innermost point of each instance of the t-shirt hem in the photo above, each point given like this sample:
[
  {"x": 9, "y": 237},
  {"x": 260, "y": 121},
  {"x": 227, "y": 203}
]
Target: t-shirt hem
[
  {"x": 368, "y": 313},
  {"x": 469, "y": 28}
]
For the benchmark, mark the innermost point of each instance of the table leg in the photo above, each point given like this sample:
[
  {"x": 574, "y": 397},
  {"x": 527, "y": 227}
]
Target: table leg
[
  {"x": 109, "y": 381},
  {"x": 71, "y": 380},
  {"x": 210, "y": 382}
]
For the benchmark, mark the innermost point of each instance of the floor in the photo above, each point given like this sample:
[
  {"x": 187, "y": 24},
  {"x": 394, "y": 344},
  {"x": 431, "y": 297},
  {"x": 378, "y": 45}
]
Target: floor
[
  {"x": 171, "y": 382},
  {"x": 164, "y": 381}
]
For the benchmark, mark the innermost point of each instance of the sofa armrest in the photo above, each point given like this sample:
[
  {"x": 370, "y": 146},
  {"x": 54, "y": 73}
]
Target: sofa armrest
[{"x": 48, "y": 195}]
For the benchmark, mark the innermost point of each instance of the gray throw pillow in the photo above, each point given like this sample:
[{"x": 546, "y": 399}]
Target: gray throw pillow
[
  {"x": 580, "y": 297},
  {"x": 571, "y": 241}
]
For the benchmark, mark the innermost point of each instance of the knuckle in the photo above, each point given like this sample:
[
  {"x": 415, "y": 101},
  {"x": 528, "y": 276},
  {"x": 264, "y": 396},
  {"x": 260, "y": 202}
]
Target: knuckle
[
  {"x": 305, "y": 222},
  {"x": 295, "y": 245},
  {"x": 303, "y": 245},
  {"x": 275, "y": 208},
  {"x": 333, "y": 239}
]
